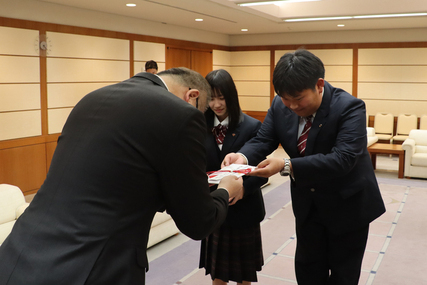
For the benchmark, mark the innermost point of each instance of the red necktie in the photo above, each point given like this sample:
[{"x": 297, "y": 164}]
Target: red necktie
[
  {"x": 219, "y": 133},
  {"x": 302, "y": 140}
]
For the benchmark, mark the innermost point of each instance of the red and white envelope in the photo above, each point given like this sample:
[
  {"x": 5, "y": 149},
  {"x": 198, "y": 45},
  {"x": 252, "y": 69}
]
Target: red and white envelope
[{"x": 238, "y": 170}]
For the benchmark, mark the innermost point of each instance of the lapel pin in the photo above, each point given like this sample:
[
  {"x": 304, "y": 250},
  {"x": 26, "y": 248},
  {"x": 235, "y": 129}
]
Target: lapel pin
[
  {"x": 233, "y": 134},
  {"x": 320, "y": 125}
]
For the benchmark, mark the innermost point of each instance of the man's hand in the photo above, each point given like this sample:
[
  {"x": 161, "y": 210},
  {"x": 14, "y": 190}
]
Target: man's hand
[
  {"x": 234, "y": 185},
  {"x": 268, "y": 167},
  {"x": 233, "y": 158}
]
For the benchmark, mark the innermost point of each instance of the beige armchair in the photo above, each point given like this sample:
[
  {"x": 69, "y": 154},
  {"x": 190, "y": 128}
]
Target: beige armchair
[
  {"x": 415, "y": 147},
  {"x": 162, "y": 228},
  {"x": 12, "y": 205},
  {"x": 372, "y": 138},
  {"x": 383, "y": 126},
  {"x": 405, "y": 123}
]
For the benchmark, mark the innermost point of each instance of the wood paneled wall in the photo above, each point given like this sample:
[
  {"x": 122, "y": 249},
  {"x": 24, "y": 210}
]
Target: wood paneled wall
[{"x": 38, "y": 88}]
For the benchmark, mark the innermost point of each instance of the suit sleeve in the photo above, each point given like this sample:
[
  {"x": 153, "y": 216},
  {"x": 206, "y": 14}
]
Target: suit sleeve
[
  {"x": 252, "y": 184},
  {"x": 264, "y": 143},
  {"x": 195, "y": 210}
]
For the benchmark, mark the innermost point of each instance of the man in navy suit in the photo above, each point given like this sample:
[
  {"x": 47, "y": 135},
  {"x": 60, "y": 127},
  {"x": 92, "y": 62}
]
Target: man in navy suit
[
  {"x": 334, "y": 190},
  {"x": 126, "y": 151}
]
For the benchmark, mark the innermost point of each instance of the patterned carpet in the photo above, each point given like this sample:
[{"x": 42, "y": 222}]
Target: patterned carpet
[{"x": 395, "y": 252}]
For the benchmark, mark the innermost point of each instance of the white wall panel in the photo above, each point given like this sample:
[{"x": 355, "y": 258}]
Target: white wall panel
[
  {"x": 57, "y": 119},
  {"x": 253, "y": 88},
  {"x": 145, "y": 51},
  {"x": 392, "y": 73},
  {"x": 19, "y": 41},
  {"x": 221, "y": 58},
  {"x": 79, "y": 46},
  {"x": 250, "y": 58},
  {"x": 228, "y": 68},
  {"x": 393, "y": 91},
  {"x": 328, "y": 56},
  {"x": 68, "y": 94},
  {"x": 18, "y": 97},
  {"x": 245, "y": 73},
  {"x": 14, "y": 125},
  {"x": 347, "y": 86},
  {"x": 86, "y": 70},
  {"x": 396, "y": 107},
  {"x": 397, "y": 56},
  {"x": 16, "y": 69},
  {"x": 254, "y": 103},
  {"x": 338, "y": 73}
]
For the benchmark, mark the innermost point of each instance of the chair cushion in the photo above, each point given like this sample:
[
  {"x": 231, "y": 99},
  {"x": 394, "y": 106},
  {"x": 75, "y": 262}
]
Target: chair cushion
[
  {"x": 11, "y": 198},
  {"x": 384, "y": 136},
  {"x": 5, "y": 230},
  {"x": 400, "y": 138},
  {"x": 419, "y": 159},
  {"x": 160, "y": 218}
]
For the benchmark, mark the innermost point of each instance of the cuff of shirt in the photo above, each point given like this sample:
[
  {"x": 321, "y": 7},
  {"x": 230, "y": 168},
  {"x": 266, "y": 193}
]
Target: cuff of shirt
[{"x": 247, "y": 162}]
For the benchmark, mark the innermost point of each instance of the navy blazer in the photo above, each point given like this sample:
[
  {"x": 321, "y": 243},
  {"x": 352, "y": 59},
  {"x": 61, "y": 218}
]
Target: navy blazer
[
  {"x": 336, "y": 174},
  {"x": 250, "y": 210},
  {"x": 126, "y": 151}
]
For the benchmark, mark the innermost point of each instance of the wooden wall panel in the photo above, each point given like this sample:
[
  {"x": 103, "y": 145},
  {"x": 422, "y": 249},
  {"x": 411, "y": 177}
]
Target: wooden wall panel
[
  {"x": 221, "y": 58},
  {"x": 145, "y": 51},
  {"x": 24, "y": 167},
  {"x": 251, "y": 74},
  {"x": 260, "y": 104},
  {"x": 23, "y": 124},
  {"x": 19, "y": 97},
  {"x": 86, "y": 70},
  {"x": 68, "y": 94},
  {"x": 338, "y": 65},
  {"x": 393, "y": 80},
  {"x": 16, "y": 41},
  {"x": 83, "y": 46},
  {"x": 20, "y": 69},
  {"x": 50, "y": 149},
  {"x": 57, "y": 119}
]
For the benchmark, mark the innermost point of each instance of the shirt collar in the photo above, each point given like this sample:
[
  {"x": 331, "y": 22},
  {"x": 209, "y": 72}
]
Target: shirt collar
[
  {"x": 162, "y": 81},
  {"x": 217, "y": 122}
]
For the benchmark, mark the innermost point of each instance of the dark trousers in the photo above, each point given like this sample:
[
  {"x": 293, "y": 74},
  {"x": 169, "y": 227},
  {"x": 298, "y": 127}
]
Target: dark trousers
[{"x": 326, "y": 258}]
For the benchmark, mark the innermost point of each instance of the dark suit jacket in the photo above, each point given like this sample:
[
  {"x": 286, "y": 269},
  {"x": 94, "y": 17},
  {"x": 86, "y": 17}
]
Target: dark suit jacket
[
  {"x": 126, "y": 151},
  {"x": 250, "y": 210},
  {"x": 336, "y": 175}
]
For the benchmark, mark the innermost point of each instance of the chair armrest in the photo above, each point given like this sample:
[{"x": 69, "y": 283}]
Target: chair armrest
[
  {"x": 409, "y": 146},
  {"x": 21, "y": 209},
  {"x": 370, "y": 131}
]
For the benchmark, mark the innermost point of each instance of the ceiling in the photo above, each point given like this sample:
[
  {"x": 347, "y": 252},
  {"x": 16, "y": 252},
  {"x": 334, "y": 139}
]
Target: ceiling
[{"x": 226, "y": 17}]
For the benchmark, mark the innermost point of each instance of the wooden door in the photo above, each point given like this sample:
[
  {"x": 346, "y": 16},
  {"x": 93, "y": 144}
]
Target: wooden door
[
  {"x": 201, "y": 61},
  {"x": 176, "y": 57},
  {"x": 198, "y": 60}
]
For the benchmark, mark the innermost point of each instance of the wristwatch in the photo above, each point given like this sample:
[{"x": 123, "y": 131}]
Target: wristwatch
[{"x": 287, "y": 168}]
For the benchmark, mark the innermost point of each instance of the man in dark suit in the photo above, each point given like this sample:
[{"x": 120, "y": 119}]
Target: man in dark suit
[
  {"x": 126, "y": 151},
  {"x": 335, "y": 194}
]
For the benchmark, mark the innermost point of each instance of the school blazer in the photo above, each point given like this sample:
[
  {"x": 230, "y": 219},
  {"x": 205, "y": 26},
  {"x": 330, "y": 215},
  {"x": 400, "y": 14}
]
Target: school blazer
[
  {"x": 336, "y": 174},
  {"x": 250, "y": 210}
]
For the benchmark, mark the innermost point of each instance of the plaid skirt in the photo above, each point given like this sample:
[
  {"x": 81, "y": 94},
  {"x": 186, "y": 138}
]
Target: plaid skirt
[{"x": 233, "y": 254}]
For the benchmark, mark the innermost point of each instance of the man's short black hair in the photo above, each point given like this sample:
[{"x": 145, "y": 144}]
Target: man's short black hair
[
  {"x": 151, "y": 64},
  {"x": 296, "y": 72}
]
